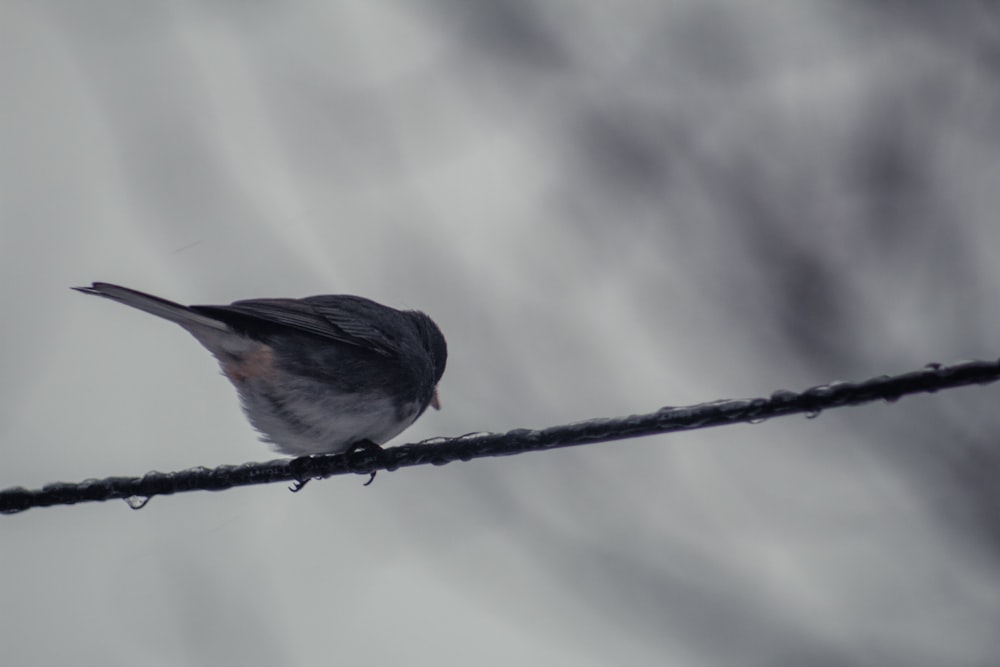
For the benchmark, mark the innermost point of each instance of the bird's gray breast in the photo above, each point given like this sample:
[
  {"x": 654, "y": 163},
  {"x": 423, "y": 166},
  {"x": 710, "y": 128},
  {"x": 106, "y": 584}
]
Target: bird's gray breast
[{"x": 322, "y": 398}]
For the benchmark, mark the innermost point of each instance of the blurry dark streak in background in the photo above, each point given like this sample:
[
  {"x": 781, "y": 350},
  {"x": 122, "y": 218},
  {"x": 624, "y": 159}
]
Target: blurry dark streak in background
[
  {"x": 818, "y": 177},
  {"x": 773, "y": 196}
]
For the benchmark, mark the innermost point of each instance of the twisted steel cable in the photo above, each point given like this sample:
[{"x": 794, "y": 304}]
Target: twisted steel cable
[{"x": 439, "y": 451}]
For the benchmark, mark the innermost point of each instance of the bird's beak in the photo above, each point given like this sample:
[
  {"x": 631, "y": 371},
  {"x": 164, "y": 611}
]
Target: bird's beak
[{"x": 435, "y": 403}]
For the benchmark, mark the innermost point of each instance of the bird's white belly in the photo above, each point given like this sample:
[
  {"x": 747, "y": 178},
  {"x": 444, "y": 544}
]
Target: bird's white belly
[{"x": 309, "y": 421}]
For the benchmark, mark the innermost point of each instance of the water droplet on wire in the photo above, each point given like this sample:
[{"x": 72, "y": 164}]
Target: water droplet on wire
[{"x": 136, "y": 502}]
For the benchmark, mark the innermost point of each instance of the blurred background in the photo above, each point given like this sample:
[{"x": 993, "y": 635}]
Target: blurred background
[{"x": 607, "y": 207}]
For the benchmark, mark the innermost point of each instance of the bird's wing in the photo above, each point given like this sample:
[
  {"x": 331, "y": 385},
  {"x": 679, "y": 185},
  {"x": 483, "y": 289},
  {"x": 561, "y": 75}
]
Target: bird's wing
[{"x": 346, "y": 319}]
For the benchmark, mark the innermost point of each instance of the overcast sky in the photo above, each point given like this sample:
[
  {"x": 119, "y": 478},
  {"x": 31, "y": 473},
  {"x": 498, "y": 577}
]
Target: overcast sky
[{"x": 607, "y": 208}]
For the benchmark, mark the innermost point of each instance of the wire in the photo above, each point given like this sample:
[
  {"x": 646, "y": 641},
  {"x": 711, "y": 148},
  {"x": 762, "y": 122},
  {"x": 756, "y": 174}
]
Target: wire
[{"x": 439, "y": 451}]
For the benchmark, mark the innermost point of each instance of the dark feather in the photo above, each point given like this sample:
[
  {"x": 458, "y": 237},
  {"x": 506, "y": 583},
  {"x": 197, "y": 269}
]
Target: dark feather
[{"x": 343, "y": 318}]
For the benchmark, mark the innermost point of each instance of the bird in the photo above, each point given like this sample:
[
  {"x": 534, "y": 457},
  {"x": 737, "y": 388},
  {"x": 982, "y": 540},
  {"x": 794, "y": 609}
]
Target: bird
[{"x": 324, "y": 374}]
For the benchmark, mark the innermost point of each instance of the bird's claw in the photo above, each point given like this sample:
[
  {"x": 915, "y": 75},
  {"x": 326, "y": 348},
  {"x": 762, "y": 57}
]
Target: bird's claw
[{"x": 362, "y": 445}]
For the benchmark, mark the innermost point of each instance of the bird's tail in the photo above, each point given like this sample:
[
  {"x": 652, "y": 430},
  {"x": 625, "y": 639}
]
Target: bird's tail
[{"x": 153, "y": 305}]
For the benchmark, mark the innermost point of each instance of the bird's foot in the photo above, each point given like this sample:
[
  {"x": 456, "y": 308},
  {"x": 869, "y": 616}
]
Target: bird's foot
[{"x": 362, "y": 446}]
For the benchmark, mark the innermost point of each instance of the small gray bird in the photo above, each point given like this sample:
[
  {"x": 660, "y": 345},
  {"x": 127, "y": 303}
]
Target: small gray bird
[{"x": 319, "y": 375}]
